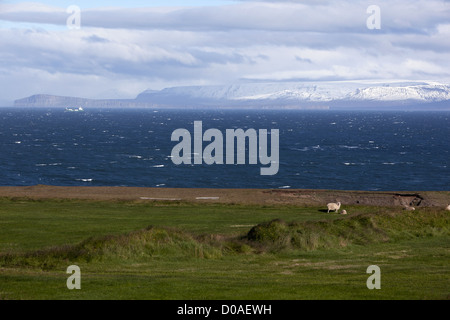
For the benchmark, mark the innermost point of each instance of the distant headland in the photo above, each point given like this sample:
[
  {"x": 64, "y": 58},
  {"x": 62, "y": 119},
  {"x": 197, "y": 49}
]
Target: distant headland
[{"x": 283, "y": 95}]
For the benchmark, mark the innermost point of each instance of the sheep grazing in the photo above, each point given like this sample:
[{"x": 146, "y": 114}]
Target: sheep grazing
[
  {"x": 344, "y": 212},
  {"x": 448, "y": 208},
  {"x": 409, "y": 208},
  {"x": 333, "y": 206}
]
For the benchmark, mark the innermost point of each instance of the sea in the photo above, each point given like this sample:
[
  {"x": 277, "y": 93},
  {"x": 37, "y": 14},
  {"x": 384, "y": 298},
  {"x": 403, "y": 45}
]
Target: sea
[{"x": 318, "y": 149}]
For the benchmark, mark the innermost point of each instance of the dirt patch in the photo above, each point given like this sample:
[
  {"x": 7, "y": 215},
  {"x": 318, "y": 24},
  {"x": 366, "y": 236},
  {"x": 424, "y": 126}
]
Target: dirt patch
[
  {"x": 323, "y": 265},
  {"x": 237, "y": 196},
  {"x": 411, "y": 200},
  {"x": 403, "y": 199}
]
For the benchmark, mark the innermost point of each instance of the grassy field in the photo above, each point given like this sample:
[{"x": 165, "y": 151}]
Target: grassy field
[{"x": 177, "y": 250}]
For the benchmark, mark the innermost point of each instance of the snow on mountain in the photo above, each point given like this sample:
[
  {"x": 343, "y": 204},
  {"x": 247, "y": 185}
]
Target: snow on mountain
[
  {"x": 306, "y": 92},
  {"x": 425, "y": 93},
  {"x": 269, "y": 95}
]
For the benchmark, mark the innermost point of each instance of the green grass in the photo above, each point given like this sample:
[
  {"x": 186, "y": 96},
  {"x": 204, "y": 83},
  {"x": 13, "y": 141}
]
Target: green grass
[
  {"x": 59, "y": 222},
  {"x": 130, "y": 250}
]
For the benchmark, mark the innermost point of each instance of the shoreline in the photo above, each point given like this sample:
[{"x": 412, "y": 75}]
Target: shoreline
[{"x": 232, "y": 196}]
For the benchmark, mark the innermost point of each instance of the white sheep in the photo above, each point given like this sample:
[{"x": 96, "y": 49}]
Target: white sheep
[
  {"x": 344, "y": 212},
  {"x": 333, "y": 206},
  {"x": 448, "y": 208}
]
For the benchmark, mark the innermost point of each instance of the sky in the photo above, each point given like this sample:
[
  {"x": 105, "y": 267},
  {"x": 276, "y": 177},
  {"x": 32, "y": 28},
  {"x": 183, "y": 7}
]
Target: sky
[{"x": 117, "y": 49}]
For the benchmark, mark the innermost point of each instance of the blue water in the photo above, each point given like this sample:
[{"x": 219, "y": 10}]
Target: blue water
[{"x": 346, "y": 150}]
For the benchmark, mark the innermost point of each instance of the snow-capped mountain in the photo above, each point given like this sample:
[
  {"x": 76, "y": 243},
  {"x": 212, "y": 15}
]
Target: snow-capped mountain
[
  {"x": 271, "y": 95},
  {"x": 304, "y": 92},
  {"x": 425, "y": 93}
]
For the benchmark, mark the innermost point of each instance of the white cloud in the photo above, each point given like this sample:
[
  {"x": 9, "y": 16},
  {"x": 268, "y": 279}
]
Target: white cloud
[
  {"x": 317, "y": 16},
  {"x": 414, "y": 65},
  {"x": 128, "y": 50}
]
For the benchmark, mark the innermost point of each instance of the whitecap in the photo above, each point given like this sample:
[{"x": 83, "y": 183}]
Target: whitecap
[
  {"x": 158, "y": 166},
  {"x": 302, "y": 149},
  {"x": 85, "y": 180},
  {"x": 284, "y": 187}
]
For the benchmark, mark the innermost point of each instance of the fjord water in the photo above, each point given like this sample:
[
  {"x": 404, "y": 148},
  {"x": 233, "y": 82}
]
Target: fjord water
[{"x": 346, "y": 150}]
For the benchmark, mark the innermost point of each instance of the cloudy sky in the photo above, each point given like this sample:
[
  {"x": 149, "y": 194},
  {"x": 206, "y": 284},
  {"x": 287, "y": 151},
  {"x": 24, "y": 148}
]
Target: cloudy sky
[{"x": 124, "y": 47}]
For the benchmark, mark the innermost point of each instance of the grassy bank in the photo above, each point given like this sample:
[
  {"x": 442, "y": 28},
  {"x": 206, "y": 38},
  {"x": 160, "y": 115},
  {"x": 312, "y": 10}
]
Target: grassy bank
[{"x": 157, "y": 250}]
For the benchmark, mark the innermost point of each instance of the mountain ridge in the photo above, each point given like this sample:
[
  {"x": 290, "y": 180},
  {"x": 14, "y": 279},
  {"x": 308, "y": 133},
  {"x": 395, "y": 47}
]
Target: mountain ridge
[{"x": 267, "y": 95}]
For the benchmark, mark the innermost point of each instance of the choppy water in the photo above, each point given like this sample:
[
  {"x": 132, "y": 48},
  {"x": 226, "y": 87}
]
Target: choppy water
[{"x": 345, "y": 150}]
